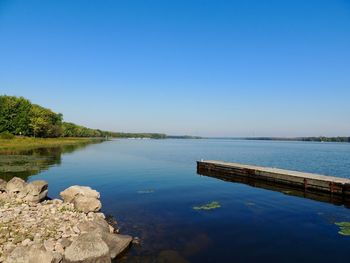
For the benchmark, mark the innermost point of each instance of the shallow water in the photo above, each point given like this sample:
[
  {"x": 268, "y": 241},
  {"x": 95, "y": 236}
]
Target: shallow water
[{"x": 151, "y": 186}]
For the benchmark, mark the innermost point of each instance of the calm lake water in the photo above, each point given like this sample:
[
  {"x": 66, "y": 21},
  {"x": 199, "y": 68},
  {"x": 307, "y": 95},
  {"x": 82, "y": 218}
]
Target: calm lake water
[{"x": 151, "y": 186}]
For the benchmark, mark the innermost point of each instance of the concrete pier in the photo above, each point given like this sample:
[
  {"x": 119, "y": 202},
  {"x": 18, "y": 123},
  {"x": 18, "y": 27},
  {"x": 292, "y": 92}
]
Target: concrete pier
[{"x": 274, "y": 178}]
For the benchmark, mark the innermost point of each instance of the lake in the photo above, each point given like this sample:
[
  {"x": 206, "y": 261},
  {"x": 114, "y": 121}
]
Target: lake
[{"x": 151, "y": 187}]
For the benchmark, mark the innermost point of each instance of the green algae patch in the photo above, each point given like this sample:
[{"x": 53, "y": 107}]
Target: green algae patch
[
  {"x": 344, "y": 228},
  {"x": 209, "y": 206}
]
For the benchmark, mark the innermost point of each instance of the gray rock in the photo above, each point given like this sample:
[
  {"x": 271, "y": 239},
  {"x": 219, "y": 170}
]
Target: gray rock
[
  {"x": 97, "y": 224},
  {"x": 34, "y": 192},
  {"x": 49, "y": 245},
  {"x": 87, "y": 248},
  {"x": 36, "y": 198},
  {"x": 87, "y": 204},
  {"x": 15, "y": 185},
  {"x": 116, "y": 243},
  {"x": 57, "y": 257},
  {"x": 40, "y": 256},
  {"x": 37, "y": 187},
  {"x": 3, "y": 184},
  {"x": 72, "y": 192},
  {"x": 65, "y": 242},
  {"x": 25, "y": 242},
  {"x": 33, "y": 254},
  {"x": 18, "y": 255}
]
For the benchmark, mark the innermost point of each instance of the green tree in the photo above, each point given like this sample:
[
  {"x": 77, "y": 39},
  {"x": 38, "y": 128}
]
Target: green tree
[
  {"x": 44, "y": 122},
  {"x": 14, "y": 115}
]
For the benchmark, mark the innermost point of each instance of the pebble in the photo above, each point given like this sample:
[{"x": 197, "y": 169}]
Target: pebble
[
  {"x": 26, "y": 242},
  {"x": 49, "y": 245},
  {"x": 76, "y": 229},
  {"x": 65, "y": 242},
  {"x": 52, "y": 224}
]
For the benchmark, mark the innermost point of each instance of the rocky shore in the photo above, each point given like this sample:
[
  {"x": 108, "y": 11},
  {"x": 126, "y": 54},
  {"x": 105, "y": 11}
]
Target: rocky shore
[{"x": 34, "y": 229}]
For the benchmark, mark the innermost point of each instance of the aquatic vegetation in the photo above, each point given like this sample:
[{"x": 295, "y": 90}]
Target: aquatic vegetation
[
  {"x": 19, "y": 163},
  {"x": 147, "y": 191},
  {"x": 344, "y": 228},
  {"x": 209, "y": 206},
  {"x": 22, "y": 165},
  {"x": 25, "y": 143}
]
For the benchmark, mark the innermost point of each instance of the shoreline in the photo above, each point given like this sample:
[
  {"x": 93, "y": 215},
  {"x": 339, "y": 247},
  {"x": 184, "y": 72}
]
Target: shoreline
[{"x": 37, "y": 229}]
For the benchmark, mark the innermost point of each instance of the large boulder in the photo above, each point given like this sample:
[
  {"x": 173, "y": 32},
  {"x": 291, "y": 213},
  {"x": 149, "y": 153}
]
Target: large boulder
[
  {"x": 72, "y": 192},
  {"x": 3, "y": 184},
  {"x": 97, "y": 224},
  {"x": 116, "y": 243},
  {"x": 87, "y": 248},
  {"x": 84, "y": 198},
  {"x": 35, "y": 191},
  {"x": 87, "y": 204},
  {"x": 15, "y": 185},
  {"x": 32, "y": 254}
]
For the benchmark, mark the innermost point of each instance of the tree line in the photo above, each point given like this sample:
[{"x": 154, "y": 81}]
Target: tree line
[
  {"x": 326, "y": 139},
  {"x": 305, "y": 139},
  {"x": 18, "y": 116}
]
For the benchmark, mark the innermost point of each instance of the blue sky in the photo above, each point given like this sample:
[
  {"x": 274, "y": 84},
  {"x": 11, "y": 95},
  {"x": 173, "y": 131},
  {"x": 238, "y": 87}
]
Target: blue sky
[{"x": 211, "y": 68}]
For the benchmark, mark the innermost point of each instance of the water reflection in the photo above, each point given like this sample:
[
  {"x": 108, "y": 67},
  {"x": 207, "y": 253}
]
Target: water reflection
[
  {"x": 27, "y": 162},
  {"x": 283, "y": 188}
]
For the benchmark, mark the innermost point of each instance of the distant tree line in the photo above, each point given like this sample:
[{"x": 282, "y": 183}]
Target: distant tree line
[
  {"x": 18, "y": 116},
  {"x": 326, "y": 139},
  {"x": 306, "y": 139},
  {"x": 183, "y": 137}
]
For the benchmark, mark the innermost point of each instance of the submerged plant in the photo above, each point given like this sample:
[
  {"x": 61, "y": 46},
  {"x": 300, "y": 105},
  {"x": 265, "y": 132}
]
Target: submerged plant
[
  {"x": 344, "y": 228},
  {"x": 209, "y": 206}
]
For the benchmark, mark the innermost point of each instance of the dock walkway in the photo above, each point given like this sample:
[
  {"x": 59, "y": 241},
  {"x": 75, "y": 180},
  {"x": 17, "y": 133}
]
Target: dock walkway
[{"x": 307, "y": 181}]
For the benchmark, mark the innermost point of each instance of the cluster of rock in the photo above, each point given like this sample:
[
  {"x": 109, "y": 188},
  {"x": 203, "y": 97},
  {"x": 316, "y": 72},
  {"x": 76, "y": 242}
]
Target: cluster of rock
[
  {"x": 36, "y": 230},
  {"x": 33, "y": 192}
]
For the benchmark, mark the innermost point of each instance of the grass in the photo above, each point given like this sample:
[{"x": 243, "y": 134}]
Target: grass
[
  {"x": 209, "y": 206},
  {"x": 66, "y": 209},
  {"x": 19, "y": 143}
]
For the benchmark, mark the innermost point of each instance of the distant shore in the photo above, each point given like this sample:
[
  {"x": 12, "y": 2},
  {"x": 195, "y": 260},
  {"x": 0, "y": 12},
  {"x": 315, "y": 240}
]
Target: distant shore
[
  {"x": 303, "y": 139},
  {"x": 295, "y": 139}
]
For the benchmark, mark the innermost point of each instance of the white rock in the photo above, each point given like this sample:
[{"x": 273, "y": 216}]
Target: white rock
[
  {"x": 116, "y": 243},
  {"x": 31, "y": 254},
  {"x": 89, "y": 248},
  {"x": 15, "y": 185},
  {"x": 25, "y": 242},
  {"x": 71, "y": 192},
  {"x": 49, "y": 245},
  {"x": 87, "y": 204}
]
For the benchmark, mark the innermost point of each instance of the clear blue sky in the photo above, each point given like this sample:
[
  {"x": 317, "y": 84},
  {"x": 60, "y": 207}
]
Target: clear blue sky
[{"x": 211, "y": 68}]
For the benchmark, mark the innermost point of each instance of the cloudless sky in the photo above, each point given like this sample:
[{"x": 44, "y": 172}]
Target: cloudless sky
[{"x": 198, "y": 67}]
